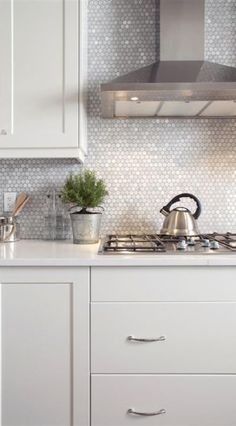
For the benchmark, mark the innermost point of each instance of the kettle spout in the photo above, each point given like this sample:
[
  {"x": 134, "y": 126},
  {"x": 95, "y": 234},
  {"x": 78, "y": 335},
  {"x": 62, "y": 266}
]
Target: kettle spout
[{"x": 164, "y": 212}]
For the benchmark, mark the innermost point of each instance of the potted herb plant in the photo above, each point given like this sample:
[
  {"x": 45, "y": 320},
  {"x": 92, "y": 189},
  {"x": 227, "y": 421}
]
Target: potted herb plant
[{"x": 86, "y": 193}]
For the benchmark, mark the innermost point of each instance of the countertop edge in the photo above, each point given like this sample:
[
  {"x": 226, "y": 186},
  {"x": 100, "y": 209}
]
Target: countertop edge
[{"x": 36, "y": 253}]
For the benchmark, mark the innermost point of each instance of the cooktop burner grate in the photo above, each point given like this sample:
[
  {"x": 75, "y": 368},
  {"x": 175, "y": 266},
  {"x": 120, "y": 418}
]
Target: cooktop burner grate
[
  {"x": 134, "y": 243},
  {"x": 227, "y": 240},
  {"x": 155, "y": 243}
]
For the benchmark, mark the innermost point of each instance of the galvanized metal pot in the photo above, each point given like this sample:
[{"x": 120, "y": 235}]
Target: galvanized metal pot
[{"x": 86, "y": 227}]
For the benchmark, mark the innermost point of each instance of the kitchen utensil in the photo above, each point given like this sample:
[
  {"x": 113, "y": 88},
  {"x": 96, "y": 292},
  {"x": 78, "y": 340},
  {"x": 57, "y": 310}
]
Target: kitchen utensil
[
  {"x": 180, "y": 221},
  {"x": 21, "y": 206},
  {"x": 20, "y": 198},
  {"x": 21, "y": 201}
]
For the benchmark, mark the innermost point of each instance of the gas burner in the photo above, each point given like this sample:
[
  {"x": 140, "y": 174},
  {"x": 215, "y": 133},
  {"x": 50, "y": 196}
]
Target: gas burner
[
  {"x": 227, "y": 240},
  {"x": 155, "y": 243},
  {"x": 133, "y": 244}
]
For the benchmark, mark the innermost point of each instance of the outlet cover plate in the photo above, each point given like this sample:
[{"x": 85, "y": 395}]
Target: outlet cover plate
[{"x": 9, "y": 199}]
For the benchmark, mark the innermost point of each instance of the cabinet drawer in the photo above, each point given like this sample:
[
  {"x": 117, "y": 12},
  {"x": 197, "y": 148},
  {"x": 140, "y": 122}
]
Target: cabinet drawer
[
  {"x": 187, "y": 400},
  {"x": 200, "y": 337},
  {"x": 149, "y": 284}
]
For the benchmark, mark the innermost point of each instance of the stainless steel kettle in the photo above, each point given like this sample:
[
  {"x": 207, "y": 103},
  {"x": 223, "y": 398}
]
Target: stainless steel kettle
[{"x": 180, "y": 222}]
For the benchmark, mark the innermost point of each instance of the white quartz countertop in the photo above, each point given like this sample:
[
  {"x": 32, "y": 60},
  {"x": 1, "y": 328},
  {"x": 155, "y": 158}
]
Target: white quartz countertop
[{"x": 48, "y": 253}]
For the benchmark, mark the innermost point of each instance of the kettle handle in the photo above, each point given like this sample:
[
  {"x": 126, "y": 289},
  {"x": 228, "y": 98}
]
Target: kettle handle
[{"x": 185, "y": 195}]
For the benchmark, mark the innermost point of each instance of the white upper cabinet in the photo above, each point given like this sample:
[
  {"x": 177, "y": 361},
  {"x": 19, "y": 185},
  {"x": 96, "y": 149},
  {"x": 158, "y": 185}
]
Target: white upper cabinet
[{"x": 42, "y": 78}]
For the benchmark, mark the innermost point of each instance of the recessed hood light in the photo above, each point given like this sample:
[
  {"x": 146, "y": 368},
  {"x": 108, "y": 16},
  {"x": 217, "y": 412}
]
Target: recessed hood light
[{"x": 181, "y": 83}]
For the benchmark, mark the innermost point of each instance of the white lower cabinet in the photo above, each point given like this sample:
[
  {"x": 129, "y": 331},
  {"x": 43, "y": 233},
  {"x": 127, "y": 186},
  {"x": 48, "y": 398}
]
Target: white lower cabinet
[
  {"x": 163, "y": 346},
  {"x": 44, "y": 347},
  {"x": 177, "y": 400},
  {"x": 178, "y": 368}
]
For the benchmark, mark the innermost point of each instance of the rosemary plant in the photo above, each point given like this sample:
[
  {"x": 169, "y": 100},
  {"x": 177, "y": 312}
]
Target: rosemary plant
[{"x": 85, "y": 191}]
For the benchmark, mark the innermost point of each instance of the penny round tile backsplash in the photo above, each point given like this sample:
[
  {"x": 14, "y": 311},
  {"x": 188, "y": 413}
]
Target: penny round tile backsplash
[{"x": 145, "y": 162}]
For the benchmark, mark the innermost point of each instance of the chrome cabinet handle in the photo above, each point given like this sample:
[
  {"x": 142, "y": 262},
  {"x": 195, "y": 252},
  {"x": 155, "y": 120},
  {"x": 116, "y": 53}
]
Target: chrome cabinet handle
[
  {"x": 136, "y": 339},
  {"x": 139, "y": 413}
]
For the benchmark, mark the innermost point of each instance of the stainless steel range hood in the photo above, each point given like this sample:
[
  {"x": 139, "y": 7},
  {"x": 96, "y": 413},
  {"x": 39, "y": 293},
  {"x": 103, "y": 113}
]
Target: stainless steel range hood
[{"x": 181, "y": 83}]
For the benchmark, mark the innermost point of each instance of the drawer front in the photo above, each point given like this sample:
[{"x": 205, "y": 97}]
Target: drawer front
[
  {"x": 187, "y": 400},
  {"x": 198, "y": 337},
  {"x": 150, "y": 284}
]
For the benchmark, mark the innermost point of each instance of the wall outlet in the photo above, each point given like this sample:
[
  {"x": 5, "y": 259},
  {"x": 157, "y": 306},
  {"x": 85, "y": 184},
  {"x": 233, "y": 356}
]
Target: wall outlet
[{"x": 9, "y": 199}]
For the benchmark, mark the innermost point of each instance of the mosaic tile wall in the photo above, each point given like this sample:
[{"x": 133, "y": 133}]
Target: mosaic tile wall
[{"x": 144, "y": 162}]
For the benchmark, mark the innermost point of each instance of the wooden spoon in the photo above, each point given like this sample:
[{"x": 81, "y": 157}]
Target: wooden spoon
[{"x": 21, "y": 201}]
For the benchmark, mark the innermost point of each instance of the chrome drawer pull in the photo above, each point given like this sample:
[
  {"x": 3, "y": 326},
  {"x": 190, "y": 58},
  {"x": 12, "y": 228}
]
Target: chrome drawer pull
[
  {"x": 136, "y": 339},
  {"x": 138, "y": 413}
]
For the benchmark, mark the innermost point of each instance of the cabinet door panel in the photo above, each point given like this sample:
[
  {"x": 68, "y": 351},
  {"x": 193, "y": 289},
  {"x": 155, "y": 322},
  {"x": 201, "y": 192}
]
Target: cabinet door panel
[
  {"x": 41, "y": 79},
  {"x": 163, "y": 284},
  {"x": 5, "y": 69},
  {"x": 187, "y": 400},
  {"x": 38, "y": 67},
  {"x": 199, "y": 338},
  {"x": 44, "y": 345},
  {"x": 36, "y": 354}
]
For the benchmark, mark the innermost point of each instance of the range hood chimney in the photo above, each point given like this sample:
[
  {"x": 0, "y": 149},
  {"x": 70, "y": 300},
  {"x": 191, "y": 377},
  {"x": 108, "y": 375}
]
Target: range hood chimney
[{"x": 181, "y": 83}]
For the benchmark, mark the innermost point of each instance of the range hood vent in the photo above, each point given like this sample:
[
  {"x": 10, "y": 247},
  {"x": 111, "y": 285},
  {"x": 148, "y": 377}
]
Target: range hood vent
[{"x": 181, "y": 83}]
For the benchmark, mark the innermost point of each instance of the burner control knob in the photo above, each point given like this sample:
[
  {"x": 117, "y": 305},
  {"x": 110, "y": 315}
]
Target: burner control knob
[
  {"x": 182, "y": 245},
  {"x": 191, "y": 241},
  {"x": 214, "y": 245},
  {"x": 206, "y": 243}
]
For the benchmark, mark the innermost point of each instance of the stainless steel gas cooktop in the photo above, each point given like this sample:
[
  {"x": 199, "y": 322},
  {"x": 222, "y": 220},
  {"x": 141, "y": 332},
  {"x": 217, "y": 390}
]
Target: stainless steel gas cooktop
[{"x": 160, "y": 244}]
